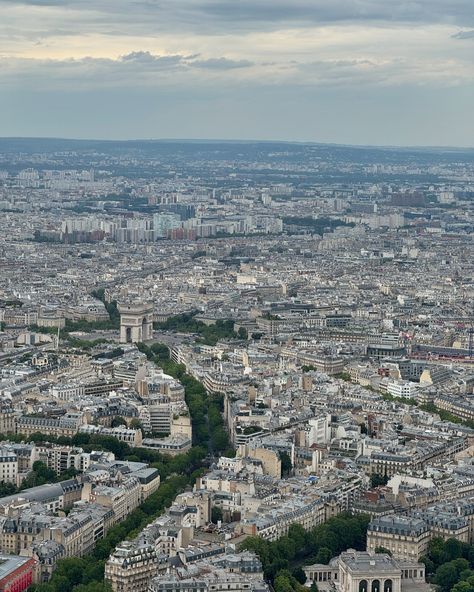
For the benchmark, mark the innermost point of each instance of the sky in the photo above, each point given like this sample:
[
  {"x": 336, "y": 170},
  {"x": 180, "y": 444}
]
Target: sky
[{"x": 380, "y": 72}]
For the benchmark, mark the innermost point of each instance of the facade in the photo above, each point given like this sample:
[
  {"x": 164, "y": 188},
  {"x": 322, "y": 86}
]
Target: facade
[
  {"x": 130, "y": 567},
  {"x": 398, "y": 388},
  {"x": 67, "y": 425},
  {"x": 7, "y": 418},
  {"x": 62, "y": 458},
  {"x": 361, "y": 571},
  {"x": 16, "y": 573},
  {"x": 171, "y": 445},
  {"x": 271, "y": 527},
  {"x": 122, "y": 499},
  {"x": 406, "y": 538},
  {"x": 129, "y": 435},
  {"x": 8, "y": 466},
  {"x": 270, "y": 460}
]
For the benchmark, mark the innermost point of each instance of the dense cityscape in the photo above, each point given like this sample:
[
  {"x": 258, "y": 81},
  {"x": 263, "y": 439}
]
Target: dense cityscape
[{"x": 236, "y": 366}]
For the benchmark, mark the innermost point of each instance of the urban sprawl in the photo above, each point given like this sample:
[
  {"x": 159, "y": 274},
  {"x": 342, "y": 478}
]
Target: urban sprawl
[{"x": 235, "y": 366}]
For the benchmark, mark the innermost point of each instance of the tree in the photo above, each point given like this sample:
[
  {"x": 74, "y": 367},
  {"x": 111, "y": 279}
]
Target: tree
[
  {"x": 286, "y": 464},
  {"x": 242, "y": 333},
  {"x": 299, "y": 575},
  {"x": 7, "y": 489},
  {"x": 118, "y": 421},
  {"x": 377, "y": 480},
  {"x": 383, "y": 550},
  {"x": 216, "y": 514},
  {"x": 298, "y": 535},
  {"x": 462, "y": 587},
  {"x": 452, "y": 548},
  {"x": 136, "y": 424},
  {"x": 40, "y": 475},
  {"x": 299, "y": 547},
  {"x": 447, "y": 575},
  {"x": 324, "y": 555},
  {"x": 283, "y": 584}
]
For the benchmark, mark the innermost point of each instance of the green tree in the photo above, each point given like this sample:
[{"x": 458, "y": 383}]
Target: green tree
[
  {"x": 324, "y": 555},
  {"x": 462, "y": 587},
  {"x": 286, "y": 464},
  {"x": 7, "y": 489},
  {"x": 447, "y": 575},
  {"x": 298, "y": 535},
  {"x": 383, "y": 550},
  {"x": 40, "y": 475},
  {"x": 216, "y": 514},
  {"x": 377, "y": 480},
  {"x": 283, "y": 584},
  {"x": 136, "y": 424},
  {"x": 118, "y": 421},
  {"x": 242, "y": 333}
]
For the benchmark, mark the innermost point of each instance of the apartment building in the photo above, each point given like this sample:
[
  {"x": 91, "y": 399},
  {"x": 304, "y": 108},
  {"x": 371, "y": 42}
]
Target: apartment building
[
  {"x": 8, "y": 466},
  {"x": 130, "y": 567},
  {"x": 67, "y": 425},
  {"x": 405, "y": 537},
  {"x": 122, "y": 498}
]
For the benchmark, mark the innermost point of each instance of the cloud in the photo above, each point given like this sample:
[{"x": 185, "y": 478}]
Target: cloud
[
  {"x": 222, "y": 64},
  {"x": 146, "y": 58},
  {"x": 464, "y": 35},
  {"x": 140, "y": 68},
  {"x": 311, "y": 12},
  {"x": 143, "y": 69},
  {"x": 218, "y": 17},
  {"x": 197, "y": 50}
]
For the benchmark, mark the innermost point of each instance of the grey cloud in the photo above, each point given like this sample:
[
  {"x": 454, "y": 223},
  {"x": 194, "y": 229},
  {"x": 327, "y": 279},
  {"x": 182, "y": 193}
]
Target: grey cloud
[
  {"x": 147, "y": 58},
  {"x": 221, "y": 16},
  {"x": 141, "y": 68},
  {"x": 464, "y": 35},
  {"x": 222, "y": 64}
]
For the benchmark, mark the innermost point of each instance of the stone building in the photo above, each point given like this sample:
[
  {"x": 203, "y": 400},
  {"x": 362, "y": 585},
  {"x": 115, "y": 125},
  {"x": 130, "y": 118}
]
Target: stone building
[
  {"x": 405, "y": 537},
  {"x": 130, "y": 567},
  {"x": 361, "y": 571}
]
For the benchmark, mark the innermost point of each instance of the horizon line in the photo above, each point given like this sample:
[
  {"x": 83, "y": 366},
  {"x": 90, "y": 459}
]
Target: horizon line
[{"x": 245, "y": 141}]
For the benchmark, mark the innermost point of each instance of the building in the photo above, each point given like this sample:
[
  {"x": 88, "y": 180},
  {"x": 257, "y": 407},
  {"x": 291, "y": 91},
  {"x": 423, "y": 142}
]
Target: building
[
  {"x": 61, "y": 458},
  {"x": 406, "y": 538},
  {"x": 361, "y": 571},
  {"x": 67, "y": 425},
  {"x": 171, "y": 445},
  {"x": 399, "y": 388},
  {"x": 16, "y": 573},
  {"x": 270, "y": 460},
  {"x": 122, "y": 498},
  {"x": 131, "y": 567},
  {"x": 8, "y": 466},
  {"x": 129, "y": 435}
]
